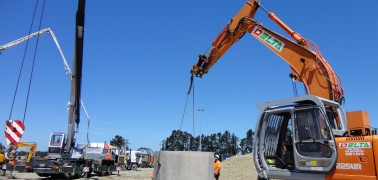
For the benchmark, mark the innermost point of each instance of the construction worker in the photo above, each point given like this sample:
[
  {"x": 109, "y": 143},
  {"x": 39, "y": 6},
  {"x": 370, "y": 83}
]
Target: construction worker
[
  {"x": 217, "y": 167},
  {"x": 108, "y": 157},
  {"x": 13, "y": 163},
  {"x": 12, "y": 154}
]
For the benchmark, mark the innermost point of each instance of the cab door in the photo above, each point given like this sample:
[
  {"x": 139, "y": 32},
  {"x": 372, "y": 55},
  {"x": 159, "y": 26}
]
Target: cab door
[
  {"x": 313, "y": 143},
  {"x": 56, "y": 145}
]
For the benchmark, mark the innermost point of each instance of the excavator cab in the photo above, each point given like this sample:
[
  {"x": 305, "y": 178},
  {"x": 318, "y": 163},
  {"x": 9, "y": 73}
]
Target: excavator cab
[{"x": 293, "y": 137}]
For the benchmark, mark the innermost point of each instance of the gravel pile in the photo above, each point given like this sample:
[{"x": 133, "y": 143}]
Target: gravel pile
[{"x": 238, "y": 168}]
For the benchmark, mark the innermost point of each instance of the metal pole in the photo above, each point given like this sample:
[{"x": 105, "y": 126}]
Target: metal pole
[{"x": 200, "y": 141}]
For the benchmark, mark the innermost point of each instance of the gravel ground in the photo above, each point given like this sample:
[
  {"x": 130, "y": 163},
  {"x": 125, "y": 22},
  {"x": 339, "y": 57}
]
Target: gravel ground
[
  {"x": 140, "y": 174},
  {"x": 238, "y": 168},
  {"x": 234, "y": 168}
]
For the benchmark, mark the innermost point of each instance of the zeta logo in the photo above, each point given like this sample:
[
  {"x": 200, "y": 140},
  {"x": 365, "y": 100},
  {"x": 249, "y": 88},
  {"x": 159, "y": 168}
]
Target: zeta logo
[
  {"x": 267, "y": 38},
  {"x": 355, "y": 145}
]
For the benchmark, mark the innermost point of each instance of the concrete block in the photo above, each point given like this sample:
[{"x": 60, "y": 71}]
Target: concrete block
[{"x": 183, "y": 165}]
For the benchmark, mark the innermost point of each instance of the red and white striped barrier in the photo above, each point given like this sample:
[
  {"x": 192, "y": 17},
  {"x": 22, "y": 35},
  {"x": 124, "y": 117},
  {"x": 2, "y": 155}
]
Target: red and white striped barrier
[{"x": 14, "y": 129}]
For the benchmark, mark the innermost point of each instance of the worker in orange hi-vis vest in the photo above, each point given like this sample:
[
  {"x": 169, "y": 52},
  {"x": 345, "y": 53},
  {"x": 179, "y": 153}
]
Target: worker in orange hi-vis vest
[
  {"x": 108, "y": 155},
  {"x": 217, "y": 167},
  {"x": 12, "y": 161}
]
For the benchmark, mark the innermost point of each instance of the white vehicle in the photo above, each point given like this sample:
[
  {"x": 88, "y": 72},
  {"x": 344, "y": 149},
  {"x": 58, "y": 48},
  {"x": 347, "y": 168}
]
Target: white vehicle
[{"x": 129, "y": 159}]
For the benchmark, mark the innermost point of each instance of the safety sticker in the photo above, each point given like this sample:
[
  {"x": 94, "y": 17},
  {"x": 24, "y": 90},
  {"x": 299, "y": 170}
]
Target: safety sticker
[
  {"x": 355, "y": 148},
  {"x": 355, "y": 145},
  {"x": 268, "y": 39}
]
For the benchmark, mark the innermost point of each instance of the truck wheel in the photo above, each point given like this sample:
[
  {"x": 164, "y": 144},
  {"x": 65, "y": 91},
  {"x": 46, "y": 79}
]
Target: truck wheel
[
  {"x": 102, "y": 173},
  {"x": 260, "y": 178},
  {"x": 134, "y": 167},
  {"x": 82, "y": 175},
  {"x": 43, "y": 175},
  {"x": 67, "y": 176},
  {"x": 55, "y": 176}
]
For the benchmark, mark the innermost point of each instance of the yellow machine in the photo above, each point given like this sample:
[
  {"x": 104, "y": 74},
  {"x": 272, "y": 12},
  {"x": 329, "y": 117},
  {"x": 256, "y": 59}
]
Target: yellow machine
[
  {"x": 32, "y": 148},
  {"x": 15, "y": 164}
]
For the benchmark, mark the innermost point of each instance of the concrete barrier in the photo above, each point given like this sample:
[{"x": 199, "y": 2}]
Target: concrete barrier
[{"x": 183, "y": 165}]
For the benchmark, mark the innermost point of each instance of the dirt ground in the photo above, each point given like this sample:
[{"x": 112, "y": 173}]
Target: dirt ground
[
  {"x": 140, "y": 174},
  {"x": 234, "y": 168}
]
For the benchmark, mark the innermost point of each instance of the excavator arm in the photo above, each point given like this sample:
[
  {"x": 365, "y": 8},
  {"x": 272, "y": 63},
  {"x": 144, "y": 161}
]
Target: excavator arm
[
  {"x": 11, "y": 155},
  {"x": 307, "y": 65},
  {"x": 32, "y": 148},
  {"x": 228, "y": 36}
]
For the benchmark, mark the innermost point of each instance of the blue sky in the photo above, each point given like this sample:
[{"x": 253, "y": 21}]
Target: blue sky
[{"x": 137, "y": 59}]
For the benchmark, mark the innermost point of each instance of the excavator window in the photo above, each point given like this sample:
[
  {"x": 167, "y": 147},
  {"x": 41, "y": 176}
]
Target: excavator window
[
  {"x": 312, "y": 133},
  {"x": 278, "y": 140},
  {"x": 286, "y": 144},
  {"x": 331, "y": 118},
  {"x": 272, "y": 140},
  {"x": 356, "y": 132}
]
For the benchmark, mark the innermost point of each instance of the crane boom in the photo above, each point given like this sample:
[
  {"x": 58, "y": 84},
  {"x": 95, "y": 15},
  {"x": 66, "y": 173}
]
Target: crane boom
[
  {"x": 74, "y": 107},
  {"x": 36, "y": 34},
  {"x": 308, "y": 66}
]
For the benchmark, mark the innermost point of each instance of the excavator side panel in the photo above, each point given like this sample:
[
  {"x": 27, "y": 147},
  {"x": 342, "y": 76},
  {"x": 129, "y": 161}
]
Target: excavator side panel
[{"x": 356, "y": 158}]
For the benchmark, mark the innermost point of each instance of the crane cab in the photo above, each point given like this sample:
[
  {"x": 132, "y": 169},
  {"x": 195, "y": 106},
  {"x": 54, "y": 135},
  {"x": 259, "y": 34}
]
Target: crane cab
[
  {"x": 295, "y": 136},
  {"x": 56, "y": 145}
]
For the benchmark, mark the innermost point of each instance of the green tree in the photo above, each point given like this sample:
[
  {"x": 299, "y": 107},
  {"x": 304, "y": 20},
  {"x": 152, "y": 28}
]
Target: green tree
[
  {"x": 220, "y": 143},
  {"x": 173, "y": 142},
  {"x": 246, "y": 144},
  {"x": 180, "y": 141},
  {"x": 120, "y": 142},
  {"x": 233, "y": 149}
]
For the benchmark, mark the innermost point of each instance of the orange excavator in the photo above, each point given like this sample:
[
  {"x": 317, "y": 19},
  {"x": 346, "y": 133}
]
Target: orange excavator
[{"x": 308, "y": 136}]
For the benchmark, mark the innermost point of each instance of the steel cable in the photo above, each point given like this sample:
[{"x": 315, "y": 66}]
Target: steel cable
[
  {"x": 183, "y": 115},
  {"x": 34, "y": 58},
  {"x": 23, "y": 61}
]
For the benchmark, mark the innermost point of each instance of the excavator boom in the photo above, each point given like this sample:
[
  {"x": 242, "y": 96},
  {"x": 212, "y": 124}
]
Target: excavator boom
[
  {"x": 228, "y": 36},
  {"x": 307, "y": 65}
]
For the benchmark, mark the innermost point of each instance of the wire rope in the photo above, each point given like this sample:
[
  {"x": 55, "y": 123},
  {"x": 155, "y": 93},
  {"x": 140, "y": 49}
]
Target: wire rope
[
  {"x": 34, "y": 59},
  {"x": 183, "y": 114},
  {"x": 194, "y": 131},
  {"x": 23, "y": 61}
]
